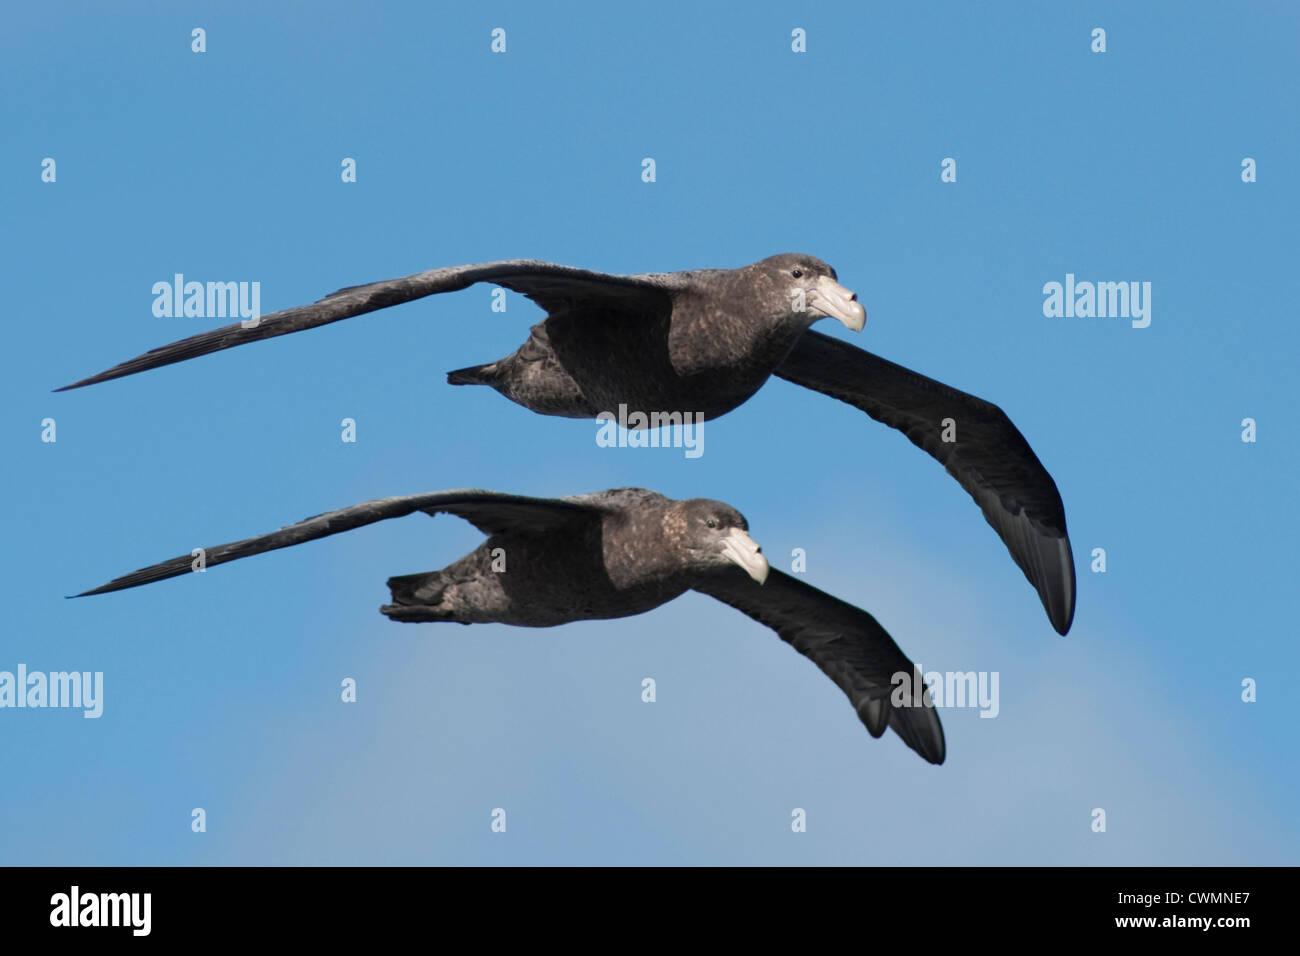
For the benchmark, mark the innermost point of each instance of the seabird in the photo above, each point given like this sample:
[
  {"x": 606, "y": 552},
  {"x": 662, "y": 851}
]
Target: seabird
[
  {"x": 704, "y": 341},
  {"x": 612, "y": 554}
]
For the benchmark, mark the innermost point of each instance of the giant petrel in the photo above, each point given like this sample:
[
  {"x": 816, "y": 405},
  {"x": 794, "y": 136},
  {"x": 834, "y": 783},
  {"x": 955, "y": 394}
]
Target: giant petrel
[
  {"x": 705, "y": 341},
  {"x": 612, "y": 554}
]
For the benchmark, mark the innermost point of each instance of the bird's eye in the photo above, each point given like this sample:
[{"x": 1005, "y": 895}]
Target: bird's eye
[
  {"x": 711, "y": 523},
  {"x": 798, "y": 273}
]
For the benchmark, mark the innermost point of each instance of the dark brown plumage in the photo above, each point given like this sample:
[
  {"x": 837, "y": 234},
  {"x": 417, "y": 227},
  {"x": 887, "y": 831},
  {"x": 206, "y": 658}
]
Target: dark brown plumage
[
  {"x": 704, "y": 341},
  {"x": 612, "y": 554}
]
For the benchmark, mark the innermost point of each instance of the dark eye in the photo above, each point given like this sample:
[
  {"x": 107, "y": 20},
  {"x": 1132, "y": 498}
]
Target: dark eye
[
  {"x": 711, "y": 523},
  {"x": 798, "y": 273}
]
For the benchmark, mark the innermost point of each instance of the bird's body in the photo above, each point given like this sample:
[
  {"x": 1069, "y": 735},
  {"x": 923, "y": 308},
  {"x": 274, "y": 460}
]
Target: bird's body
[
  {"x": 614, "y": 554},
  {"x": 704, "y": 354},
  {"x": 617, "y": 564},
  {"x": 702, "y": 342}
]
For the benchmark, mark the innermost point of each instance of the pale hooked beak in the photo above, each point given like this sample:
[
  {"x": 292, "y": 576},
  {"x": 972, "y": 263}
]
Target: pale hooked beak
[
  {"x": 833, "y": 300},
  {"x": 744, "y": 551}
]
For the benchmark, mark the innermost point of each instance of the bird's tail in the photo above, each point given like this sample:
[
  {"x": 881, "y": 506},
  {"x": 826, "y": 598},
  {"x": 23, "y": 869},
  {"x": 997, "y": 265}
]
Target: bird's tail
[
  {"x": 474, "y": 375},
  {"x": 418, "y": 614},
  {"x": 417, "y": 597},
  {"x": 424, "y": 588}
]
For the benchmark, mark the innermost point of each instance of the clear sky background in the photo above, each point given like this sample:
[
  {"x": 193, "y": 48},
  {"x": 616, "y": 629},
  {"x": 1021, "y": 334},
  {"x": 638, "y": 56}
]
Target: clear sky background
[{"x": 222, "y": 690}]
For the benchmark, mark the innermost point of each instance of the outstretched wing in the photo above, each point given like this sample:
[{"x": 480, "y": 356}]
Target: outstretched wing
[
  {"x": 550, "y": 286},
  {"x": 990, "y": 458},
  {"x": 847, "y": 643},
  {"x": 488, "y": 511}
]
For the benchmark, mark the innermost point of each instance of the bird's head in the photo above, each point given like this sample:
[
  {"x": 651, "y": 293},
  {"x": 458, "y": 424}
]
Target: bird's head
[
  {"x": 812, "y": 289},
  {"x": 712, "y": 534}
]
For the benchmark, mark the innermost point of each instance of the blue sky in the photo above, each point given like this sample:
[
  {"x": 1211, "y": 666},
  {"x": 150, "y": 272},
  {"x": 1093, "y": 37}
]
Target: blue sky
[{"x": 222, "y": 690}]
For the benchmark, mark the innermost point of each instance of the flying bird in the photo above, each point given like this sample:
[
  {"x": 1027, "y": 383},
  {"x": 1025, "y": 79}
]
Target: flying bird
[
  {"x": 612, "y": 554},
  {"x": 704, "y": 341}
]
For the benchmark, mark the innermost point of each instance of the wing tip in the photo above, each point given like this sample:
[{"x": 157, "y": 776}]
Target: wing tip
[
  {"x": 1060, "y": 607},
  {"x": 102, "y": 589},
  {"x": 104, "y": 376},
  {"x": 923, "y": 736},
  {"x": 919, "y": 727},
  {"x": 932, "y": 748},
  {"x": 1062, "y": 624},
  {"x": 874, "y": 714}
]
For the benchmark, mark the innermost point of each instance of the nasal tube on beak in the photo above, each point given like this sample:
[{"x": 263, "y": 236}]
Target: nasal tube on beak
[
  {"x": 743, "y": 550},
  {"x": 833, "y": 300}
]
